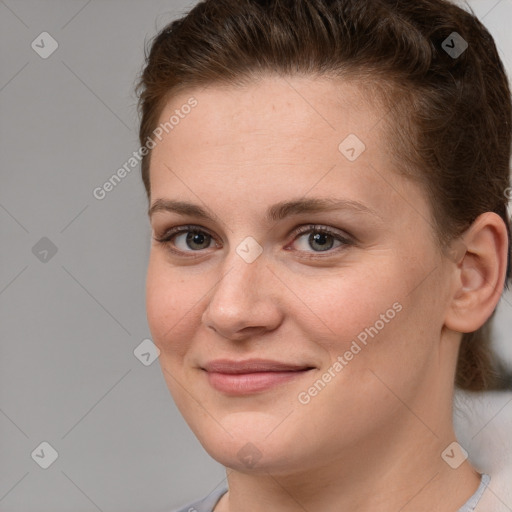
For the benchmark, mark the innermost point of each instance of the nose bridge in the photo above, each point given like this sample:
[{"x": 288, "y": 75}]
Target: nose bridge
[{"x": 236, "y": 288}]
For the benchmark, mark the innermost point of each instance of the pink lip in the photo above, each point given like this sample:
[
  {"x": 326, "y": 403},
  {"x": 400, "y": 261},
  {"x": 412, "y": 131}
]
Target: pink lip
[{"x": 250, "y": 376}]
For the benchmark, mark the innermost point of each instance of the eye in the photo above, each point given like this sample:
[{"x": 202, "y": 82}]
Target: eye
[
  {"x": 320, "y": 239},
  {"x": 183, "y": 239}
]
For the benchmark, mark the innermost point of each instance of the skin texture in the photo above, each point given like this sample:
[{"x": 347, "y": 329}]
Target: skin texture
[{"x": 372, "y": 438}]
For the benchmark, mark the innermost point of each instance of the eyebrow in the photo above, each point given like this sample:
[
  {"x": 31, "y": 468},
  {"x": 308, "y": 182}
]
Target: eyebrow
[{"x": 274, "y": 213}]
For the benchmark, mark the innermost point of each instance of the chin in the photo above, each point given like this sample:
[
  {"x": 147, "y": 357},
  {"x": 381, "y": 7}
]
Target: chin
[
  {"x": 248, "y": 448},
  {"x": 251, "y": 458}
]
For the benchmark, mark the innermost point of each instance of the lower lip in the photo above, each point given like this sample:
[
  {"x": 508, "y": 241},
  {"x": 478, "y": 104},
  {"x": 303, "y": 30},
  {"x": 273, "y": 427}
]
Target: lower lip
[{"x": 245, "y": 383}]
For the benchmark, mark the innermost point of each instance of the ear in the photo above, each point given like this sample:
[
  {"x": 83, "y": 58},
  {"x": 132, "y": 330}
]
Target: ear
[{"x": 481, "y": 264}]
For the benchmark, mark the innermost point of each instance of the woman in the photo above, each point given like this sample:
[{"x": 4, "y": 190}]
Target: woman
[{"x": 327, "y": 193}]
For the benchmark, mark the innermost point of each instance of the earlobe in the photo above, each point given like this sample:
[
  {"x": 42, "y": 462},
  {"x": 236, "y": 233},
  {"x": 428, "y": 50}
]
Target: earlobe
[{"x": 480, "y": 256}]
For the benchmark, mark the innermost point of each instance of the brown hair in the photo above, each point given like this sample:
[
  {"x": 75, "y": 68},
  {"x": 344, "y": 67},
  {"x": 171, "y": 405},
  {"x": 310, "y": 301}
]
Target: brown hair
[{"x": 450, "y": 114}]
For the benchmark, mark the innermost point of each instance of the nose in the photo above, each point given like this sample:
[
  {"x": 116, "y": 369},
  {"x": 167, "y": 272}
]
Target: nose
[{"x": 245, "y": 301}]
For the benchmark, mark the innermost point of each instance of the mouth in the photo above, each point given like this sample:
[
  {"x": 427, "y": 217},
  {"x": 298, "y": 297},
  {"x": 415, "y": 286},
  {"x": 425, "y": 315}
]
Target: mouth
[{"x": 251, "y": 376}]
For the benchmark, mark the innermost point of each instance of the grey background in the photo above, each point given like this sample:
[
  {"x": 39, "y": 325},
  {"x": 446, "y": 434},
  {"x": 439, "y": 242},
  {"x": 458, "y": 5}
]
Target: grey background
[{"x": 69, "y": 325}]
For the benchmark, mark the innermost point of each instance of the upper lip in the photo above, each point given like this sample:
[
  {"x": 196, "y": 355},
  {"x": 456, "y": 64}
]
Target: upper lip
[{"x": 251, "y": 366}]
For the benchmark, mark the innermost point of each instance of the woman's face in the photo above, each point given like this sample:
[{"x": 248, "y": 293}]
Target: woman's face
[{"x": 282, "y": 345}]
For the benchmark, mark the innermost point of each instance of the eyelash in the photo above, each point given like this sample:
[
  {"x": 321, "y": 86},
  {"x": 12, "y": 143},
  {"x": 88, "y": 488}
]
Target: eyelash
[{"x": 168, "y": 236}]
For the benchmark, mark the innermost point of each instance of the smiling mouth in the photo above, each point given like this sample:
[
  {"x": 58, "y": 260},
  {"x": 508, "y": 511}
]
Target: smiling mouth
[{"x": 251, "y": 376}]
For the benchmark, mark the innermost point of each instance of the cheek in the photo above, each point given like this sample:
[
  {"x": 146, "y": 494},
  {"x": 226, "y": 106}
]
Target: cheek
[
  {"x": 376, "y": 319},
  {"x": 169, "y": 307},
  {"x": 352, "y": 304}
]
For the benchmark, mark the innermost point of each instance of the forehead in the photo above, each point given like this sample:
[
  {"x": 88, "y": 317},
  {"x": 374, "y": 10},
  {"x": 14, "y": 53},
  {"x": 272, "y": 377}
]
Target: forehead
[
  {"x": 280, "y": 136},
  {"x": 276, "y": 122},
  {"x": 276, "y": 111}
]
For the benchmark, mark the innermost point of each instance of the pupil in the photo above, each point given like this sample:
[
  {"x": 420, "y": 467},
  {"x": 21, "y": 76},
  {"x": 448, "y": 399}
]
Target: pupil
[
  {"x": 196, "y": 238},
  {"x": 320, "y": 238}
]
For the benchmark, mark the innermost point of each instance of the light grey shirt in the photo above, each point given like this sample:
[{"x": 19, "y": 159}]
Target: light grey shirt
[{"x": 208, "y": 504}]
